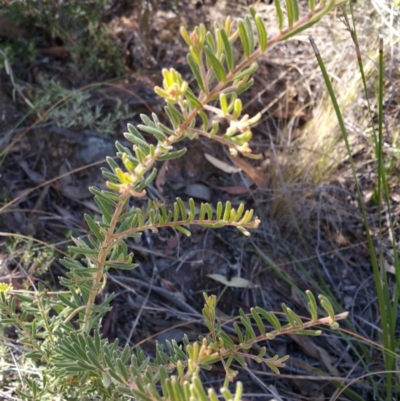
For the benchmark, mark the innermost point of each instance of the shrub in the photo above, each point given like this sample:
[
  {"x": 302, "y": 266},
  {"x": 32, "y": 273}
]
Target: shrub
[{"x": 59, "y": 332}]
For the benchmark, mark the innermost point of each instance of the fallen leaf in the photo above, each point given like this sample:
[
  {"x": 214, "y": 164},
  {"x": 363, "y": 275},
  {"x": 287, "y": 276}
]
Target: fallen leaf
[
  {"x": 328, "y": 361},
  {"x": 171, "y": 287},
  {"x": 257, "y": 176},
  {"x": 236, "y": 282},
  {"x": 33, "y": 175},
  {"x": 233, "y": 190},
  {"x": 227, "y": 168},
  {"x": 55, "y": 51},
  {"x": 314, "y": 351},
  {"x": 172, "y": 243},
  {"x": 309, "y": 388},
  {"x": 198, "y": 191},
  {"x": 389, "y": 268},
  {"x": 162, "y": 177},
  {"x": 306, "y": 344}
]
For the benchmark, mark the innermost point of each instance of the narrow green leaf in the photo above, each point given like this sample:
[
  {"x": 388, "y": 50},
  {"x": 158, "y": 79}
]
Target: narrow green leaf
[
  {"x": 154, "y": 392},
  {"x": 245, "y": 87},
  {"x": 122, "y": 369},
  {"x": 227, "y": 211},
  {"x": 154, "y": 131},
  {"x": 239, "y": 212},
  {"x": 218, "y": 214},
  {"x": 279, "y": 14},
  {"x": 294, "y": 320},
  {"x": 324, "y": 301},
  {"x": 127, "y": 222},
  {"x": 140, "y": 154},
  {"x": 261, "y": 354},
  {"x": 94, "y": 228},
  {"x": 81, "y": 355},
  {"x": 200, "y": 394},
  {"x": 247, "y": 217},
  {"x": 228, "y": 343},
  {"x": 312, "y": 306},
  {"x": 104, "y": 207},
  {"x": 64, "y": 299},
  {"x": 137, "y": 141},
  {"x": 289, "y": 11},
  {"x": 33, "y": 354},
  {"x": 307, "y": 332},
  {"x": 121, "y": 265},
  {"x": 24, "y": 298},
  {"x": 146, "y": 120},
  {"x": 112, "y": 372},
  {"x": 192, "y": 208},
  {"x": 185, "y": 35},
  {"x": 247, "y": 324},
  {"x": 172, "y": 155},
  {"x": 244, "y": 39},
  {"x": 208, "y": 211},
  {"x": 183, "y": 230},
  {"x": 241, "y": 360},
  {"x": 112, "y": 163},
  {"x": 94, "y": 360},
  {"x": 261, "y": 33},
  {"x": 126, "y": 354},
  {"x": 90, "y": 345},
  {"x": 228, "y": 49},
  {"x": 182, "y": 208},
  {"x": 70, "y": 264},
  {"x": 216, "y": 65},
  {"x": 272, "y": 319},
  {"x": 164, "y": 149},
  {"x": 210, "y": 41},
  {"x": 178, "y": 394},
  {"x": 196, "y": 72},
  {"x": 192, "y": 98},
  {"x": 247, "y": 72},
  {"x": 133, "y": 132},
  {"x": 271, "y": 365},
  {"x": 68, "y": 351},
  {"x": 122, "y": 149},
  {"x": 107, "y": 359},
  {"x": 174, "y": 115},
  {"x": 7, "y": 321},
  {"x": 75, "y": 369},
  {"x": 258, "y": 321},
  {"x": 250, "y": 34},
  {"x": 223, "y": 103},
  {"x": 111, "y": 177},
  {"x": 163, "y": 379},
  {"x": 165, "y": 129},
  {"x": 168, "y": 388},
  {"x": 123, "y": 390},
  {"x": 108, "y": 196},
  {"x": 204, "y": 119},
  {"x": 238, "y": 331},
  {"x": 147, "y": 180},
  {"x": 195, "y": 55},
  {"x": 295, "y": 10},
  {"x": 83, "y": 251}
]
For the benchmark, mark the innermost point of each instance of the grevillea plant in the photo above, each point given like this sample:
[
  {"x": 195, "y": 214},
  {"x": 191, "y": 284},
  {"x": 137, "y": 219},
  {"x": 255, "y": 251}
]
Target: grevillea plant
[{"x": 59, "y": 332}]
